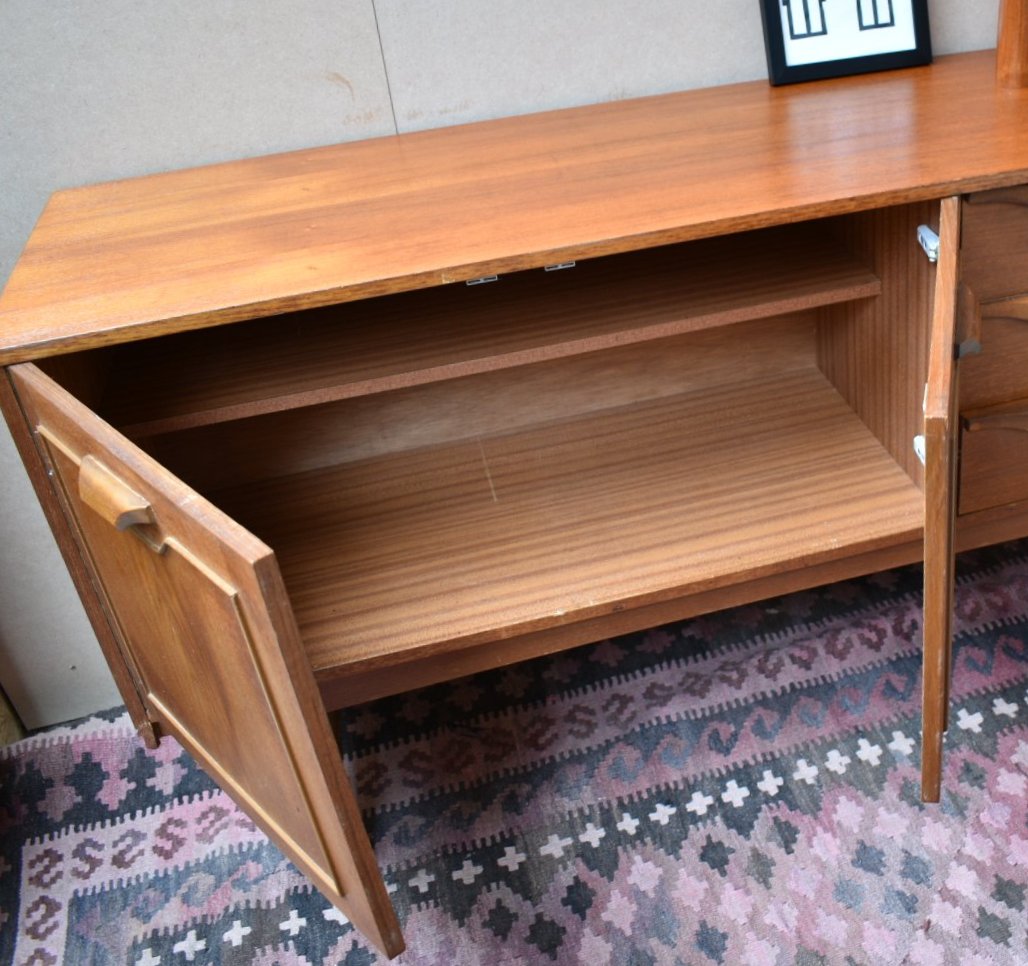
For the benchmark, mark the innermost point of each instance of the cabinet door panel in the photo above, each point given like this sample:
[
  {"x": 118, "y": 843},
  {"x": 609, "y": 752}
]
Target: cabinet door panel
[
  {"x": 204, "y": 616},
  {"x": 940, "y": 431}
]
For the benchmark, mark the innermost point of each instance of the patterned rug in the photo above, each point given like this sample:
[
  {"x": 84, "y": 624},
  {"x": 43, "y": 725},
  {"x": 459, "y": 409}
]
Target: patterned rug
[{"x": 736, "y": 789}]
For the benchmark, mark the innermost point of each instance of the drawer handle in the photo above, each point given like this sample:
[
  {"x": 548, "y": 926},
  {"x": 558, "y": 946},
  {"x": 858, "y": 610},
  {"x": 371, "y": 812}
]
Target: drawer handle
[
  {"x": 1015, "y": 421},
  {"x": 1000, "y": 196},
  {"x": 1012, "y": 308},
  {"x": 101, "y": 490}
]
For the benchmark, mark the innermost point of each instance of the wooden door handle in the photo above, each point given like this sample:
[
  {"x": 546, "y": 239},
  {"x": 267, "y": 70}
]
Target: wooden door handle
[
  {"x": 999, "y": 196},
  {"x": 1012, "y": 308},
  {"x": 1009, "y": 420},
  {"x": 111, "y": 497}
]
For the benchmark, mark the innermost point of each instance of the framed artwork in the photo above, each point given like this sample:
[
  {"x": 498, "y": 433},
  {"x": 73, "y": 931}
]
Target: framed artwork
[{"x": 813, "y": 39}]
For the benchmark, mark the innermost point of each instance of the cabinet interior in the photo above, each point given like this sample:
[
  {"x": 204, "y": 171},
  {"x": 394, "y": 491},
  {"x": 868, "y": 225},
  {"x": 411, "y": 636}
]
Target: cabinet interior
[{"x": 466, "y": 464}]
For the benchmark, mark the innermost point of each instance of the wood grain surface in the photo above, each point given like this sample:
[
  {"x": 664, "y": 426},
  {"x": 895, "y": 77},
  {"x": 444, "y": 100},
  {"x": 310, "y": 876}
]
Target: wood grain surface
[
  {"x": 280, "y": 444},
  {"x": 1012, "y": 44},
  {"x": 994, "y": 456},
  {"x": 999, "y": 373},
  {"x": 225, "y": 673},
  {"x": 346, "y": 685},
  {"x": 414, "y": 339},
  {"x": 940, "y": 432},
  {"x": 994, "y": 243},
  {"x": 129, "y": 686},
  {"x": 875, "y": 351},
  {"x": 393, "y": 558},
  {"x": 183, "y": 250}
]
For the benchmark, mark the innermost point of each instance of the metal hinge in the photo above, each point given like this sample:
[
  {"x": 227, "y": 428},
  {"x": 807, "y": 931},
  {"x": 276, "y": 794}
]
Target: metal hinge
[
  {"x": 560, "y": 266},
  {"x": 929, "y": 241},
  {"x": 484, "y": 280}
]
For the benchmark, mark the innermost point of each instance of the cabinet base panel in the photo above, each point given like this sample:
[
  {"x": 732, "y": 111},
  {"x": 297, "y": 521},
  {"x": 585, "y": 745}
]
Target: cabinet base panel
[{"x": 368, "y": 685}]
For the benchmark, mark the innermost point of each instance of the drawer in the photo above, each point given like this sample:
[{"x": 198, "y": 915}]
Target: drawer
[
  {"x": 999, "y": 373},
  {"x": 994, "y": 245},
  {"x": 994, "y": 457}
]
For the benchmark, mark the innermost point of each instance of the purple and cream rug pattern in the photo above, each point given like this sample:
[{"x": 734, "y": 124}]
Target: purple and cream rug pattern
[{"x": 740, "y": 788}]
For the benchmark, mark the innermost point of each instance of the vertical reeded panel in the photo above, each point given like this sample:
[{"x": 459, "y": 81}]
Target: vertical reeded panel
[{"x": 875, "y": 351}]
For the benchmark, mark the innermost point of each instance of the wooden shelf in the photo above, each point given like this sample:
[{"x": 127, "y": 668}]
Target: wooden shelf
[
  {"x": 395, "y": 558},
  {"x": 412, "y": 339}
]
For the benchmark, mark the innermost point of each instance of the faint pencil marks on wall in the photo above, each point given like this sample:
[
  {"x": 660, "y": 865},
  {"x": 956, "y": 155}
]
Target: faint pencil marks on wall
[{"x": 340, "y": 81}]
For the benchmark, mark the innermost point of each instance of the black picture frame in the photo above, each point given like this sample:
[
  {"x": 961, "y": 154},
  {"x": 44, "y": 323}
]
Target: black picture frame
[{"x": 853, "y": 20}]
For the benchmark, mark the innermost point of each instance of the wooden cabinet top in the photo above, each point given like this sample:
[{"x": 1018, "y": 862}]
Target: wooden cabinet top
[{"x": 187, "y": 249}]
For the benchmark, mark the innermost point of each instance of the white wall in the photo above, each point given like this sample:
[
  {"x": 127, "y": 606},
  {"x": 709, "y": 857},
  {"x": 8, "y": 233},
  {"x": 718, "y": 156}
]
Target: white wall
[{"x": 91, "y": 92}]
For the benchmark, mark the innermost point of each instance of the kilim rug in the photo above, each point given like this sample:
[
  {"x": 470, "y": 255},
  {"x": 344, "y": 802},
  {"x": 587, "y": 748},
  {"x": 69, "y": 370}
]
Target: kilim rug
[{"x": 736, "y": 789}]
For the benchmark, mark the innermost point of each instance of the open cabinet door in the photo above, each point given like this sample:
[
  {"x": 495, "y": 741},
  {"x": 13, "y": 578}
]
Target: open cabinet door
[
  {"x": 203, "y": 613},
  {"x": 940, "y": 438}
]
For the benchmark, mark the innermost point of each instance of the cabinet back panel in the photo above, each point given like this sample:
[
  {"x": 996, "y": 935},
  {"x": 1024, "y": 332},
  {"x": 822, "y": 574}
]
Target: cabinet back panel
[{"x": 875, "y": 351}]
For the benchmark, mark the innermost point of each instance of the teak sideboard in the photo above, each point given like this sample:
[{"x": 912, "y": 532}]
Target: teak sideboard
[{"x": 301, "y": 449}]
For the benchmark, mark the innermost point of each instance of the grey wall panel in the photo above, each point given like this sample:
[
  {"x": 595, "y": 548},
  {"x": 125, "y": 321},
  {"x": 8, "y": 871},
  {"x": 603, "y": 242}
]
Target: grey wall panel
[
  {"x": 462, "y": 60},
  {"x": 957, "y": 25}
]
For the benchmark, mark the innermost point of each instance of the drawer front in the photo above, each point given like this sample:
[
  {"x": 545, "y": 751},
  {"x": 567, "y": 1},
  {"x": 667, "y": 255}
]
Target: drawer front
[
  {"x": 994, "y": 384},
  {"x": 999, "y": 374},
  {"x": 994, "y": 246},
  {"x": 994, "y": 457}
]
